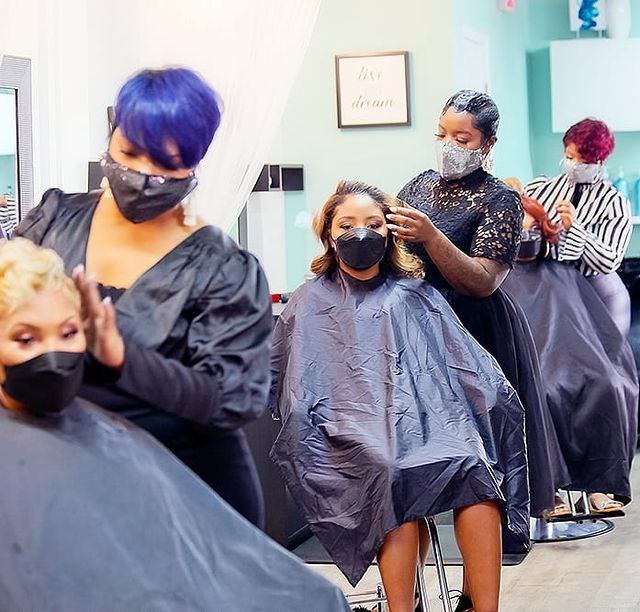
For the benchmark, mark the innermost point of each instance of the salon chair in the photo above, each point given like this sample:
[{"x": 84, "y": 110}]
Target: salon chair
[{"x": 579, "y": 525}]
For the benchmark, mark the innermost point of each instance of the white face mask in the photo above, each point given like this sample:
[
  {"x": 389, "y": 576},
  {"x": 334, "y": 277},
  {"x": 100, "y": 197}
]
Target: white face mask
[
  {"x": 455, "y": 162},
  {"x": 581, "y": 173}
]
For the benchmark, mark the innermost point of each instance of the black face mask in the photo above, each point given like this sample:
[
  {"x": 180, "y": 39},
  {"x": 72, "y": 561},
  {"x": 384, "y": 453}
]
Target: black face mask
[
  {"x": 142, "y": 197},
  {"x": 529, "y": 245},
  {"x": 361, "y": 248},
  {"x": 47, "y": 383}
]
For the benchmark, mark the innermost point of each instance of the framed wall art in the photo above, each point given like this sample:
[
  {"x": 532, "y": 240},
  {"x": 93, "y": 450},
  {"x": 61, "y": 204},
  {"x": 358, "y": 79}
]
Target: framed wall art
[{"x": 373, "y": 89}]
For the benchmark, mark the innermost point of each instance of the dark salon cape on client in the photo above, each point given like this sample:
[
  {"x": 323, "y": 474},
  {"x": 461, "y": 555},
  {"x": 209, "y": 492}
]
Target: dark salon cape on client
[
  {"x": 97, "y": 515},
  {"x": 588, "y": 371},
  {"x": 390, "y": 412}
]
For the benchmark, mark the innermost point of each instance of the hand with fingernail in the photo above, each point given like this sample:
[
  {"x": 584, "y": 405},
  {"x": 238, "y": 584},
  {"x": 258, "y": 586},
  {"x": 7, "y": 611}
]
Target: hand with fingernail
[
  {"x": 410, "y": 224},
  {"x": 567, "y": 212},
  {"x": 104, "y": 341}
]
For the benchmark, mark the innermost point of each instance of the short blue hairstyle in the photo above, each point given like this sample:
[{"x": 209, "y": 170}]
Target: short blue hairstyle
[{"x": 176, "y": 105}]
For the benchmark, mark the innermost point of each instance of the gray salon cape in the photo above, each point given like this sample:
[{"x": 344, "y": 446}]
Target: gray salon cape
[
  {"x": 390, "y": 411},
  {"x": 589, "y": 374},
  {"x": 96, "y": 515}
]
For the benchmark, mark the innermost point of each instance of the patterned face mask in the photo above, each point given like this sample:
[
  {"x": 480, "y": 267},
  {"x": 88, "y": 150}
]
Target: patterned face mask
[
  {"x": 141, "y": 197},
  {"x": 581, "y": 173},
  {"x": 456, "y": 162}
]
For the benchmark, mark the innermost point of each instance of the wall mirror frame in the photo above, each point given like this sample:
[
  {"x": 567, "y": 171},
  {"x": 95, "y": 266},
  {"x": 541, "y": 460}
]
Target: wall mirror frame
[{"x": 15, "y": 73}]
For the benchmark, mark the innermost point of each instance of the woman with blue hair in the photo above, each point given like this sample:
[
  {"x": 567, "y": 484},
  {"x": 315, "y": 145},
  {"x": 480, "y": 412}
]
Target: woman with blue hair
[{"x": 193, "y": 311}]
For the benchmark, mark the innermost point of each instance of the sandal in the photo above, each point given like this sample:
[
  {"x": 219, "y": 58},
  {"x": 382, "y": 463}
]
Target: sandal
[
  {"x": 560, "y": 509},
  {"x": 599, "y": 503}
]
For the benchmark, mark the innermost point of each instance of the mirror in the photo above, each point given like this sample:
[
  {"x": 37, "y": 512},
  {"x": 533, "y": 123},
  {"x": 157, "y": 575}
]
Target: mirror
[
  {"x": 16, "y": 148},
  {"x": 8, "y": 161}
]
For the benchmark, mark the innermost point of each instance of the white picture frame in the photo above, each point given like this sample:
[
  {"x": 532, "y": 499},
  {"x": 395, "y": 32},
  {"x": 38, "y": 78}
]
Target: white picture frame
[{"x": 372, "y": 89}]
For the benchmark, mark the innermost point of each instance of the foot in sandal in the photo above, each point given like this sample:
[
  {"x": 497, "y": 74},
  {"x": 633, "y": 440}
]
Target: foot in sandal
[
  {"x": 560, "y": 509},
  {"x": 600, "y": 503}
]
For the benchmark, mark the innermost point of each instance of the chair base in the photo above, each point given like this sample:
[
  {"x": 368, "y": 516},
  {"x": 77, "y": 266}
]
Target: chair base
[{"x": 568, "y": 530}]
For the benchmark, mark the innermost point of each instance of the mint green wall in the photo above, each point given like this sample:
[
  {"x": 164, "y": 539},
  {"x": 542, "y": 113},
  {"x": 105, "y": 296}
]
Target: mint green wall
[
  {"x": 508, "y": 34},
  {"x": 430, "y": 31},
  {"x": 549, "y": 20},
  {"x": 387, "y": 157}
]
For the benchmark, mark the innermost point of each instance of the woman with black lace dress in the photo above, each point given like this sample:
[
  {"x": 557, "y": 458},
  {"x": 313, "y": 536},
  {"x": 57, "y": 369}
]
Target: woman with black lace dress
[{"x": 466, "y": 229}]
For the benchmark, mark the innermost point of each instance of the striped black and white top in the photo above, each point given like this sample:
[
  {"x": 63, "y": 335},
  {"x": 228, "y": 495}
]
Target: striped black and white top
[
  {"x": 600, "y": 234},
  {"x": 8, "y": 218}
]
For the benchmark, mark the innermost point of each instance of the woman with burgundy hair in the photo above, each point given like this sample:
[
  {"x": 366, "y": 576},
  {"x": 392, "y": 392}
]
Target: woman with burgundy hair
[
  {"x": 587, "y": 365},
  {"x": 595, "y": 218}
]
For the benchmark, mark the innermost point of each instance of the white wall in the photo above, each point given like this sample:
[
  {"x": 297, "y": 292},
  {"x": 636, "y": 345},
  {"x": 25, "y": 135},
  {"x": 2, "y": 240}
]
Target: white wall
[{"x": 83, "y": 50}]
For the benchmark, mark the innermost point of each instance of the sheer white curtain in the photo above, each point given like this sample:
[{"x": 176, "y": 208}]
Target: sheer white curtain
[{"x": 250, "y": 51}]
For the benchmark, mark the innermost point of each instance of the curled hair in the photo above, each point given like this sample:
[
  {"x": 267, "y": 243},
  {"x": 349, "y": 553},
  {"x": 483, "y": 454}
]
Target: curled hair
[
  {"x": 396, "y": 260},
  {"x": 480, "y": 106},
  {"x": 593, "y": 139},
  {"x": 171, "y": 105},
  {"x": 26, "y": 270},
  {"x": 550, "y": 231}
]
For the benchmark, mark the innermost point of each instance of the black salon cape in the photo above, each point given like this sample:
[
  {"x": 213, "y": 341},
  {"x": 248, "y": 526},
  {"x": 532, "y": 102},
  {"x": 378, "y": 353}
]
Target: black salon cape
[
  {"x": 96, "y": 515},
  {"x": 390, "y": 412},
  {"x": 588, "y": 372}
]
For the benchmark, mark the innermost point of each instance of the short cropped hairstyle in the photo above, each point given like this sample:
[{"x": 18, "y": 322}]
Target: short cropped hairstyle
[
  {"x": 26, "y": 270},
  {"x": 593, "y": 139},
  {"x": 175, "y": 105},
  {"x": 397, "y": 260},
  {"x": 480, "y": 106}
]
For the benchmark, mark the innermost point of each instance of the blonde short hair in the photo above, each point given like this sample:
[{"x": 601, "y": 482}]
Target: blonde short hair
[{"x": 25, "y": 270}]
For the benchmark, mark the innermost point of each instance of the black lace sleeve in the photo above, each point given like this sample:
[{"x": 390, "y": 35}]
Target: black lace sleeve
[
  {"x": 417, "y": 189},
  {"x": 497, "y": 236},
  {"x": 415, "y": 194}
]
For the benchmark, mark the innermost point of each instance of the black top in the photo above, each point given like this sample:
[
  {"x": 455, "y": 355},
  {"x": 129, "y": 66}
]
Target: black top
[
  {"x": 482, "y": 216},
  {"x": 196, "y": 325},
  {"x": 107, "y": 291},
  {"x": 479, "y": 213}
]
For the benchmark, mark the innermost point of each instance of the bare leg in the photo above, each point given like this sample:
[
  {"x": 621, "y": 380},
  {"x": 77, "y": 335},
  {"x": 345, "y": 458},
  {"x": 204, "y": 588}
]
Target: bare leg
[
  {"x": 397, "y": 559},
  {"x": 479, "y": 537}
]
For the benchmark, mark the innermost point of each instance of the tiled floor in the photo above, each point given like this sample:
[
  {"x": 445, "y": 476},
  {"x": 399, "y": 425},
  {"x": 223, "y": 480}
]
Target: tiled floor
[{"x": 597, "y": 575}]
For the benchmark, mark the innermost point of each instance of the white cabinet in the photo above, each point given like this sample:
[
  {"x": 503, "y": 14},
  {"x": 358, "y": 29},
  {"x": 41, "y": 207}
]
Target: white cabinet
[{"x": 596, "y": 77}]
